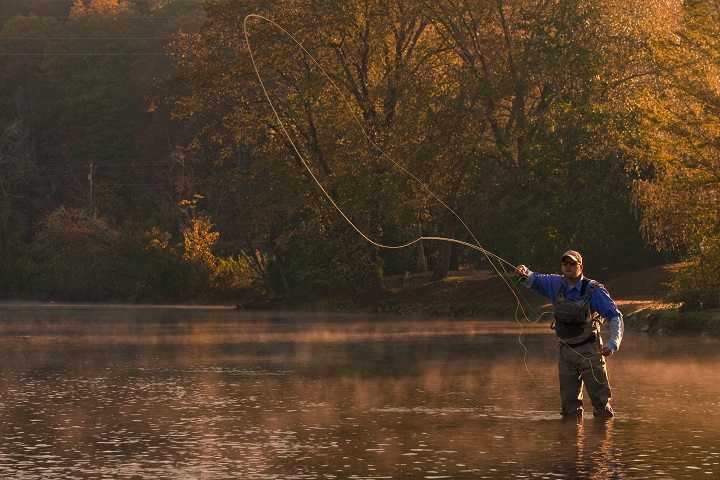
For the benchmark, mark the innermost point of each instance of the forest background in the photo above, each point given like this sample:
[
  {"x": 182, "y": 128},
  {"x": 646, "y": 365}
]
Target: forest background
[{"x": 141, "y": 162}]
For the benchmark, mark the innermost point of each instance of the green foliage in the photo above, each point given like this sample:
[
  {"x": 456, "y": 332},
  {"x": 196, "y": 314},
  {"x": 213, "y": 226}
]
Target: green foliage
[
  {"x": 312, "y": 262},
  {"x": 676, "y": 320},
  {"x": 696, "y": 286},
  {"x": 552, "y": 98},
  {"x": 73, "y": 249},
  {"x": 677, "y": 196},
  {"x": 77, "y": 257},
  {"x": 523, "y": 130},
  {"x": 234, "y": 278},
  {"x": 73, "y": 77},
  {"x": 327, "y": 138},
  {"x": 77, "y": 79},
  {"x": 18, "y": 176}
]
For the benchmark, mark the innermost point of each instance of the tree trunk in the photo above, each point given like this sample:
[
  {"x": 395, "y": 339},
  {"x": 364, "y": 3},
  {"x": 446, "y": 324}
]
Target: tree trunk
[
  {"x": 283, "y": 278},
  {"x": 2, "y": 253},
  {"x": 442, "y": 265},
  {"x": 454, "y": 258},
  {"x": 421, "y": 263}
]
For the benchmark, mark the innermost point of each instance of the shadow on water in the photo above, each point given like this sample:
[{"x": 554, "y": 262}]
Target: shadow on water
[{"x": 175, "y": 393}]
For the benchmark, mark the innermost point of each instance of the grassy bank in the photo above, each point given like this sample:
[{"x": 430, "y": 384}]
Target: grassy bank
[
  {"x": 640, "y": 295},
  {"x": 668, "y": 319}
]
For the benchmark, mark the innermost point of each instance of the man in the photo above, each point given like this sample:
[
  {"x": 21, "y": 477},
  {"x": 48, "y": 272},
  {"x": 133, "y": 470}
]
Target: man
[{"x": 581, "y": 305}]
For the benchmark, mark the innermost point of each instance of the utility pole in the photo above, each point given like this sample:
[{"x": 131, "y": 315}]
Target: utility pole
[{"x": 92, "y": 202}]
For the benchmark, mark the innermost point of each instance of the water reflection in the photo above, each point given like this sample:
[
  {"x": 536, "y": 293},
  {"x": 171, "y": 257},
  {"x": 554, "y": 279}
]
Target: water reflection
[{"x": 121, "y": 392}]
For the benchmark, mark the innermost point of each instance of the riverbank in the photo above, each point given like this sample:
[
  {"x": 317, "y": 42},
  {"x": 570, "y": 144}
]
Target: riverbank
[{"x": 640, "y": 295}]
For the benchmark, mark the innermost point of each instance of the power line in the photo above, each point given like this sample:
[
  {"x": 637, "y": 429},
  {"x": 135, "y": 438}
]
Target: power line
[
  {"x": 133, "y": 1},
  {"x": 86, "y": 38},
  {"x": 103, "y": 17},
  {"x": 78, "y": 54}
]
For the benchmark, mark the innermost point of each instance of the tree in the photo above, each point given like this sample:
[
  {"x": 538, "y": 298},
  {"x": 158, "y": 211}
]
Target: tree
[
  {"x": 88, "y": 105},
  {"x": 510, "y": 112},
  {"x": 373, "y": 50},
  {"x": 22, "y": 39},
  {"x": 550, "y": 101},
  {"x": 678, "y": 195},
  {"x": 17, "y": 177}
]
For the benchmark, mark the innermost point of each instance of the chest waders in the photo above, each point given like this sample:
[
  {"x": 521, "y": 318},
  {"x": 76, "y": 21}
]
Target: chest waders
[{"x": 573, "y": 317}]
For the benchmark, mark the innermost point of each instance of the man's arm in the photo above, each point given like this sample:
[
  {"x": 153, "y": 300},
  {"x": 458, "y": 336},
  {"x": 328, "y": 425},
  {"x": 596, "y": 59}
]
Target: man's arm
[
  {"x": 545, "y": 285},
  {"x": 607, "y": 309},
  {"x": 617, "y": 327}
]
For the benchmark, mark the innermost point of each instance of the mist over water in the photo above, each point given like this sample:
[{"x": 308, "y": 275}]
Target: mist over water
[{"x": 209, "y": 393}]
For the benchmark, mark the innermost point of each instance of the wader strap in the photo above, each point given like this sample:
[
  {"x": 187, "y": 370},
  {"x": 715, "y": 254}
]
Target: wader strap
[
  {"x": 583, "y": 289},
  {"x": 590, "y": 339}
]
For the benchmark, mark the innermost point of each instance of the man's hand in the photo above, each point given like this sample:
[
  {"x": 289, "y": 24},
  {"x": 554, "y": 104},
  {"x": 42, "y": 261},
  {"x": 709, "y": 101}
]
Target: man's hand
[
  {"x": 521, "y": 270},
  {"x": 605, "y": 351}
]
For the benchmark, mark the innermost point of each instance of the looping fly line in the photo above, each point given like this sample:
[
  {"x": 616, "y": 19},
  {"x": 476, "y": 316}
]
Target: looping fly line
[{"x": 489, "y": 255}]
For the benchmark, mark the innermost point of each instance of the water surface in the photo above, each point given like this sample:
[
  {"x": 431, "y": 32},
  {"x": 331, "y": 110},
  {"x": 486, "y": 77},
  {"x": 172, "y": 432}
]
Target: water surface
[{"x": 209, "y": 393}]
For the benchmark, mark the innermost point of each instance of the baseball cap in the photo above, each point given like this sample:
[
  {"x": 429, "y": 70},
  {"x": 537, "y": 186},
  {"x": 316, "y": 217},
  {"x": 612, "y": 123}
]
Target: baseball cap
[{"x": 573, "y": 255}]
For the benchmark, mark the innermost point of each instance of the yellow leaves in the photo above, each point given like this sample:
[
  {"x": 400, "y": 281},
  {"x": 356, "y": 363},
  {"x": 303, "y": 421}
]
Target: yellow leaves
[
  {"x": 645, "y": 19},
  {"x": 198, "y": 240},
  {"x": 233, "y": 275},
  {"x": 198, "y": 234},
  {"x": 99, "y": 8},
  {"x": 157, "y": 239}
]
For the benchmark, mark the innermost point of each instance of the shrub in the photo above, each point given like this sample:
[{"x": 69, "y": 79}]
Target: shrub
[{"x": 697, "y": 285}]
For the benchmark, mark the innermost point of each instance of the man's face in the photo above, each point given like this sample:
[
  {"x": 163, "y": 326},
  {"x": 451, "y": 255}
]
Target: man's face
[{"x": 571, "y": 270}]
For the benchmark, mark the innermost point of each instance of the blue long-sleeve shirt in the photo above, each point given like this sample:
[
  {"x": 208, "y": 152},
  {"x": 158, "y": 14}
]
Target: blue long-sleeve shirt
[{"x": 600, "y": 301}]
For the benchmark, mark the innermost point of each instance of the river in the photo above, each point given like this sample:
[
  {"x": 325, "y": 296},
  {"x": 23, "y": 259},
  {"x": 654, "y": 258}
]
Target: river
[{"x": 100, "y": 392}]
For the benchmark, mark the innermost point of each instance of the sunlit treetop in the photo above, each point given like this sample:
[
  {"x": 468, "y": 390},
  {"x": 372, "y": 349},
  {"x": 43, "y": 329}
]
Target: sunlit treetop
[{"x": 104, "y": 8}]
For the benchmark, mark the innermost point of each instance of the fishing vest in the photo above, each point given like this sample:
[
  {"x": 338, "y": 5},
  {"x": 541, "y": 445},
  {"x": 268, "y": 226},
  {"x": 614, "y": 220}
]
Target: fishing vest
[{"x": 575, "y": 317}]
